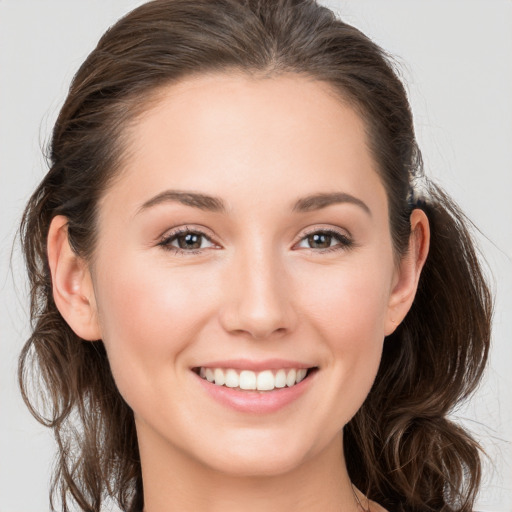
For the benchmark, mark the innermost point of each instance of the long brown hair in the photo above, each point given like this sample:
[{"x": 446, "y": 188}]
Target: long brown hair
[{"x": 400, "y": 448}]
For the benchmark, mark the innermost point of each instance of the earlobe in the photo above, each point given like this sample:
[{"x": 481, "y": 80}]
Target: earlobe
[
  {"x": 409, "y": 271},
  {"x": 72, "y": 287}
]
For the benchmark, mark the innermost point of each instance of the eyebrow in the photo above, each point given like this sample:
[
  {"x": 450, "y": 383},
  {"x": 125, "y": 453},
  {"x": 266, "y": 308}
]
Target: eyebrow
[
  {"x": 318, "y": 201},
  {"x": 215, "y": 204},
  {"x": 194, "y": 199}
]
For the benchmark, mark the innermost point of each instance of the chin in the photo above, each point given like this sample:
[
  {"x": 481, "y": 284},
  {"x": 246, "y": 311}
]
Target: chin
[
  {"x": 257, "y": 457},
  {"x": 256, "y": 465}
]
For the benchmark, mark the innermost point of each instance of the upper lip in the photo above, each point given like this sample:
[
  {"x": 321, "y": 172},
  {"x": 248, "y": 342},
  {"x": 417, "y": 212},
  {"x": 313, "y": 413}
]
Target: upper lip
[{"x": 256, "y": 366}]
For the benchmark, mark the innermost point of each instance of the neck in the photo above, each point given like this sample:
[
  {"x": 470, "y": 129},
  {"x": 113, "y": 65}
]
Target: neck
[{"x": 177, "y": 482}]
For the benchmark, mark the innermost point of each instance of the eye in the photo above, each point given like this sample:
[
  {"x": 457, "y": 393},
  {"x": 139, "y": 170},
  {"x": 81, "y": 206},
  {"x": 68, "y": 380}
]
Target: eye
[
  {"x": 186, "y": 240},
  {"x": 325, "y": 240}
]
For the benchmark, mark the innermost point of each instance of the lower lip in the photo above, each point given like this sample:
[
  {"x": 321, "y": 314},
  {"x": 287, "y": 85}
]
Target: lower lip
[{"x": 257, "y": 402}]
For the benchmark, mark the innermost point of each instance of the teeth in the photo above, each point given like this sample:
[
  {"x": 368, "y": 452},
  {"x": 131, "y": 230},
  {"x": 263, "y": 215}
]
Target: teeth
[
  {"x": 280, "y": 381},
  {"x": 291, "y": 377},
  {"x": 218, "y": 374},
  {"x": 232, "y": 379},
  {"x": 266, "y": 380},
  {"x": 301, "y": 374},
  {"x": 247, "y": 380}
]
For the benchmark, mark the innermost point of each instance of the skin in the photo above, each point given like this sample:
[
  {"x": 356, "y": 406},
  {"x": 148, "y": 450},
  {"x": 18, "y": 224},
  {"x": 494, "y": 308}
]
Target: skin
[{"x": 257, "y": 288}]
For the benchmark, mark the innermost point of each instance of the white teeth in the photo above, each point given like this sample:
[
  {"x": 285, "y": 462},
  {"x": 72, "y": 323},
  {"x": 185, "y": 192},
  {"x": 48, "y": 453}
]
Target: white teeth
[
  {"x": 266, "y": 380},
  {"x": 247, "y": 380},
  {"x": 232, "y": 379},
  {"x": 280, "y": 381},
  {"x": 291, "y": 377},
  {"x": 301, "y": 374},
  {"x": 219, "y": 377}
]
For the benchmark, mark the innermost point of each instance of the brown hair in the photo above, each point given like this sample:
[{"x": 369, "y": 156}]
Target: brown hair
[{"x": 400, "y": 448}]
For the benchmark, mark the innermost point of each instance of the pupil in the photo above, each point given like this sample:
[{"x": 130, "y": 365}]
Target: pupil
[
  {"x": 321, "y": 241},
  {"x": 190, "y": 241}
]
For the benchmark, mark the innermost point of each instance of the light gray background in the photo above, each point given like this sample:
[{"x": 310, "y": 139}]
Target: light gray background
[{"x": 456, "y": 56}]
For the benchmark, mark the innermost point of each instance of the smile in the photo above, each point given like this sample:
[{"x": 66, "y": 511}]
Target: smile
[
  {"x": 266, "y": 380},
  {"x": 255, "y": 387}
]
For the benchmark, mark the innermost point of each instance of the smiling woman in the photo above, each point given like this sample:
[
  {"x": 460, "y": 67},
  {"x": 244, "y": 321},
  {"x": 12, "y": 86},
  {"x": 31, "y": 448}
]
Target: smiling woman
[{"x": 240, "y": 297}]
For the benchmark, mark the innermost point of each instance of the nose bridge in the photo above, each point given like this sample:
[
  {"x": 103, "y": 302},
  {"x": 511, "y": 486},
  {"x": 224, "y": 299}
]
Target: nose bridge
[{"x": 259, "y": 302}]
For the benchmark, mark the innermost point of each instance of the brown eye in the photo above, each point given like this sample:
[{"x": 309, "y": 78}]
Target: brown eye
[
  {"x": 325, "y": 240},
  {"x": 186, "y": 241},
  {"x": 189, "y": 241},
  {"x": 319, "y": 240}
]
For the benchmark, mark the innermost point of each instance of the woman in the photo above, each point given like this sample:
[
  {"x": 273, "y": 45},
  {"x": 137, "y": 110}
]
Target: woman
[{"x": 244, "y": 292}]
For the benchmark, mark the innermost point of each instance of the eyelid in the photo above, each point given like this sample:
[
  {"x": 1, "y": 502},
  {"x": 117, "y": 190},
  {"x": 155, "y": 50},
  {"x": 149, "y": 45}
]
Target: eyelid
[
  {"x": 186, "y": 228},
  {"x": 172, "y": 233},
  {"x": 346, "y": 241},
  {"x": 324, "y": 229}
]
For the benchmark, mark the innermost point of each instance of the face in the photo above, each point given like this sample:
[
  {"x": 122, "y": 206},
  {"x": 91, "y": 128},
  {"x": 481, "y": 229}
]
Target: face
[{"x": 248, "y": 231}]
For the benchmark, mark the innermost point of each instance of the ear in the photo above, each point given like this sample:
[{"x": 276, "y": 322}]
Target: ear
[
  {"x": 408, "y": 272},
  {"x": 73, "y": 291}
]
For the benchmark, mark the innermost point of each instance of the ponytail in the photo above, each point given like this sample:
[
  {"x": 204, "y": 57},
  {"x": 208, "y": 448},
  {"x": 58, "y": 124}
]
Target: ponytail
[{"x": 401, "y": 448}]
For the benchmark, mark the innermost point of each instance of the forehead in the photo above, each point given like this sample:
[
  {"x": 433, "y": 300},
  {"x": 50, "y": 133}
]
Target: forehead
[{"x": 229, "y": 133}]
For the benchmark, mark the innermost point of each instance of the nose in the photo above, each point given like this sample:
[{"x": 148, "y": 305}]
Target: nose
[{"x": 258, "y": 297}]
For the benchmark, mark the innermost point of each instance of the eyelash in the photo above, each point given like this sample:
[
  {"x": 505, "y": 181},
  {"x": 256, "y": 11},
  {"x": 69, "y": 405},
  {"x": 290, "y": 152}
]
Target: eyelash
[
  {"x": 345, "y": 242},
  {"x": 165, "y": 243}
]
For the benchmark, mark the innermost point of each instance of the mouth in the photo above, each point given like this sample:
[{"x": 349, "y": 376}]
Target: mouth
[{"x": 259, "y": 381}]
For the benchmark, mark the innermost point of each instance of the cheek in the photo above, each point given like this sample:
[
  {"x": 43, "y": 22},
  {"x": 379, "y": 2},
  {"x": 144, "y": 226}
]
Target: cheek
[
  {"x": 349, "y": 312},
  {"x": 351, "y": 305},
  {"x": 148, "y": 314}
]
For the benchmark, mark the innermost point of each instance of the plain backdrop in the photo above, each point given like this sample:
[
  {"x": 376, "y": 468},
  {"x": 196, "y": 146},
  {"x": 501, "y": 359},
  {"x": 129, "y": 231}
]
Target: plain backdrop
[{"x": 456, "y": 57}]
